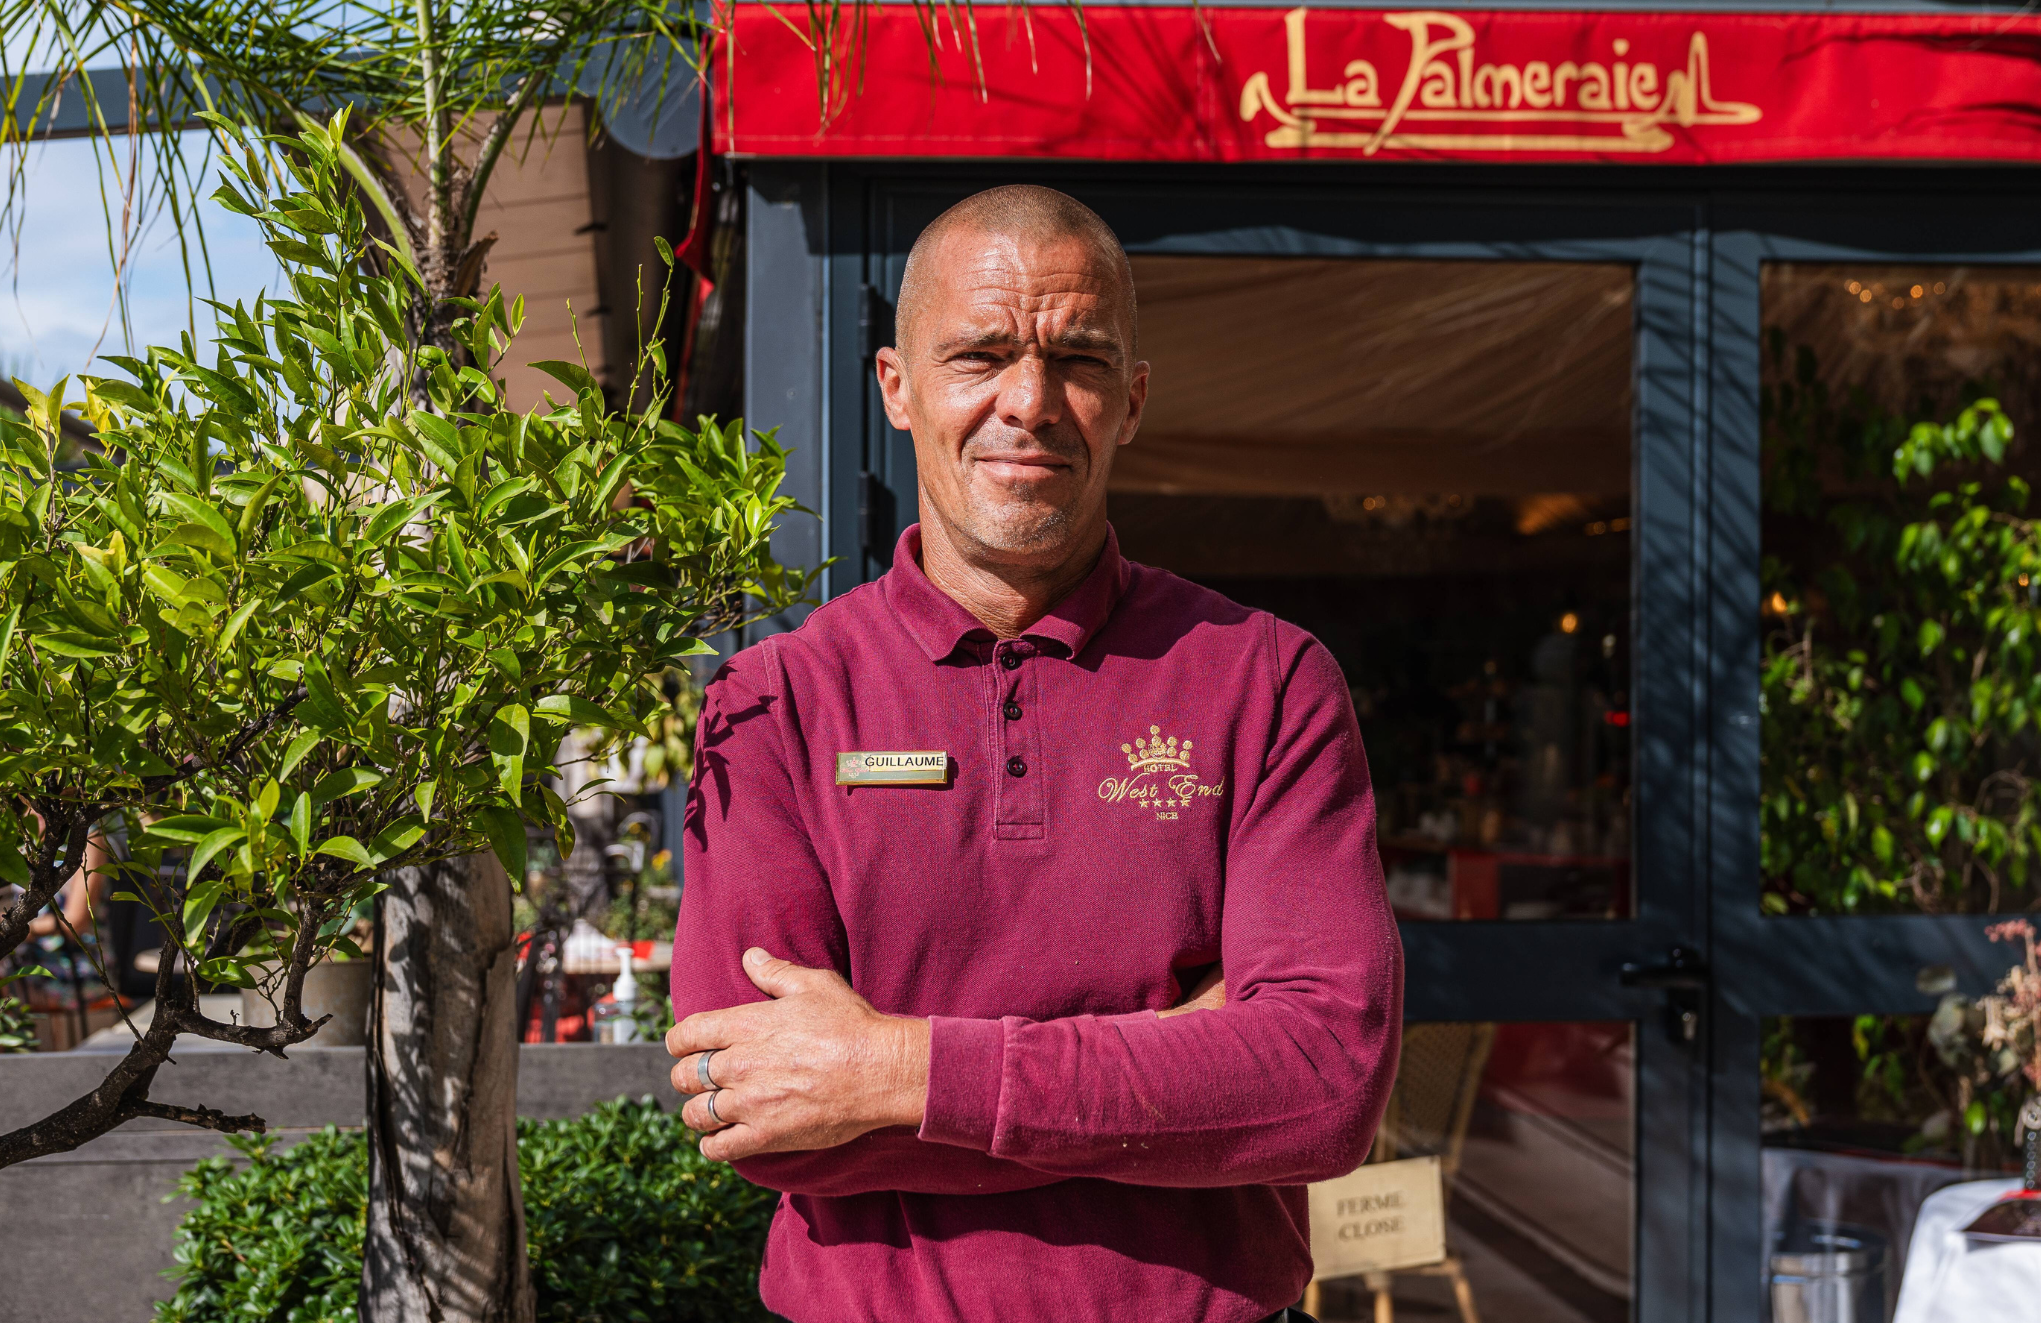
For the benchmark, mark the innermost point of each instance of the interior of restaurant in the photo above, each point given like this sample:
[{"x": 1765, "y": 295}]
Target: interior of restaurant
[{"x": 1428, "y": 465}]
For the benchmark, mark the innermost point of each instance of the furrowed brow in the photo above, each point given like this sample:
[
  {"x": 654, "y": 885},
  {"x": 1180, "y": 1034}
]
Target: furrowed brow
[
  {"x": 990, "y": 339},
  {"x": 1088, "y": 340}
]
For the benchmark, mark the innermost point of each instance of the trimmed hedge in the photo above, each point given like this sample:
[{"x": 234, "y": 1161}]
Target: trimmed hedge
[{"x": 626, "y": 1223}]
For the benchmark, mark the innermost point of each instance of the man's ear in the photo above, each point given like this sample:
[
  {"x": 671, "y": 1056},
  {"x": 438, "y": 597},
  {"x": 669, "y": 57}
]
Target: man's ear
[
  {"x": 1137, "y": 401},
  {"x": 893, "y": 387}
]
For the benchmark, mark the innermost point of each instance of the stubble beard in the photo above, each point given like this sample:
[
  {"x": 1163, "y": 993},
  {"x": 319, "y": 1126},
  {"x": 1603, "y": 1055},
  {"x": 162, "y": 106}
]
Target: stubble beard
[
  {"x": 1015, "y": 521},
  {"x": 1018, "y": 525}
]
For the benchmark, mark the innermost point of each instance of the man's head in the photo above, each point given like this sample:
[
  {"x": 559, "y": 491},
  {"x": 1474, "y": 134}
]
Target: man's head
[{"x": 1015, "y": 371}]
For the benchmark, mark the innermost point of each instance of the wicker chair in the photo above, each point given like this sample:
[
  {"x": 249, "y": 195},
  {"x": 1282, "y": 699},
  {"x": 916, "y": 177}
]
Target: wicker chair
[{"x": 1436, "y": 1083}]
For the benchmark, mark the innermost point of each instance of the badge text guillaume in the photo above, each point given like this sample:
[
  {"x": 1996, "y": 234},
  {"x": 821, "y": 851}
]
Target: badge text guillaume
[{"x": 918, "y": 768}]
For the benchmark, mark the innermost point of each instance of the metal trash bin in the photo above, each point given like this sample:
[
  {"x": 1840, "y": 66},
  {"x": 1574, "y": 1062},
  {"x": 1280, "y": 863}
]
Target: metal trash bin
[{"x": 1828, "y": 1272}]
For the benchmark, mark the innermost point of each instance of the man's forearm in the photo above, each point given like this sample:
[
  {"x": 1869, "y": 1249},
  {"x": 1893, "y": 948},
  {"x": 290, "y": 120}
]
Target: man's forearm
[{"x": 1284, "y": 1088}]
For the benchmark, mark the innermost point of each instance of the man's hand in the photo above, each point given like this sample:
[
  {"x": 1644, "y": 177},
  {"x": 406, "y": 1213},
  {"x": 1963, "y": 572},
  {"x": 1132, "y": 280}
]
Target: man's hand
[{"x": 813, "y": 1068}]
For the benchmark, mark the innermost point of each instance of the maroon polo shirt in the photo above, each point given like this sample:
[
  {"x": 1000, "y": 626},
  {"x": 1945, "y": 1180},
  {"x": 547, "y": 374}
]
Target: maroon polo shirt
[{"x": 1150, "y": 779}]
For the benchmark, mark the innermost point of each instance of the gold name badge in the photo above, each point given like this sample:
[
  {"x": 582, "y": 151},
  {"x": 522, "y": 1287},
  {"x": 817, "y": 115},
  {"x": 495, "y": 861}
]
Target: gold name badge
[{"x": 924, "y": 768}]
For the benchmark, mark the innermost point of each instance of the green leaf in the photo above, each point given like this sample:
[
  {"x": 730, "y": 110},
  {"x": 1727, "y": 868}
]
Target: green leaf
[
  {"x": 395, "y": 839},
  {"x": 13, "y": 868},
  {"x": 183, "y": 829},
  {"x": 236, "y": 623},
  {"x": 392, "y": 517},
  {"x": 211, "y": 846},
  {"x": 198, "y": 904},
  {"x": 205, "y": 539},
  {"x": 230, "y": 970},
  {"x": 501, "y": 492},
  {"x": 344, "y": 781},
  {"x": 301, "y": 822},
  {"x": 581, "y": 712},
  {"x": 348, "y": 848},
  {"x": 300, "y": 745},
  {"x": 571, "y": 375},
  {"x": 83, "y": 647},
  {"x": 7, "y": 634},
  {"x": 510, "y": 730},
  {"x": 441, "y": 443},
  {"x": 166, "y": 584},
  {"x": 203, "y": 515},
  {"x": 505, "y": 829},
  {"x": 251, "y": 514}
]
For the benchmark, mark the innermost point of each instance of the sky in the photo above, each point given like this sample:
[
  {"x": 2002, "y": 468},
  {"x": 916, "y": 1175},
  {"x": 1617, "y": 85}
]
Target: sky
[{"x": 57, "y": 288}]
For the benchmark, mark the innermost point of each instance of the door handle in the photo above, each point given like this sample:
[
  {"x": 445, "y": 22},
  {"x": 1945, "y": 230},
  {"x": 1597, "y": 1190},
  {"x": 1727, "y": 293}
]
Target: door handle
[{"x": 1684, "y": 978}]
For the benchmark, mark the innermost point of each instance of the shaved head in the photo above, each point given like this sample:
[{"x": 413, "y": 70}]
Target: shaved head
[{"x": 1015, "y": 211}]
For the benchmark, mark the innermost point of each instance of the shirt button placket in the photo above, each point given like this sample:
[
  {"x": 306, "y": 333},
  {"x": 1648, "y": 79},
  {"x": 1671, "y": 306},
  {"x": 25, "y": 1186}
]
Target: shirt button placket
[{"x": 1020, "y": 796}]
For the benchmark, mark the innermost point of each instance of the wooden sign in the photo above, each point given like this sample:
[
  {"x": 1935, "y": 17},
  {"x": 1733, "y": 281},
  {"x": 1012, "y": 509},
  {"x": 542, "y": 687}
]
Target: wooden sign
[{"x": 1385, "y": 1215}]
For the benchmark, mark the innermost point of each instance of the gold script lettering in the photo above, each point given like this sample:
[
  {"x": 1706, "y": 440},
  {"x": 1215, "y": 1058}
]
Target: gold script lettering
[
  {"x": 1619, "y": 106},
  {"x": 1491, "y": 83},
  {"x": 1594, "y": 87},
  {"x": 1361, "y": 87}
]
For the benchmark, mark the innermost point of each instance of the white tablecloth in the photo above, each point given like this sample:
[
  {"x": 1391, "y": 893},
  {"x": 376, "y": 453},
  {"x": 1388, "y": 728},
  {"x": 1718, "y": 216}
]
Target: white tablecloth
[{"x": 1951, "y": 1278}]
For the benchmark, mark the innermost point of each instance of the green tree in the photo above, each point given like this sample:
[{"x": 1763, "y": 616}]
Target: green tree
[
  {"x": 1902, "y": 676},
  {"x": 311, "y": 626},
  {"x": 438, "y": 93}
]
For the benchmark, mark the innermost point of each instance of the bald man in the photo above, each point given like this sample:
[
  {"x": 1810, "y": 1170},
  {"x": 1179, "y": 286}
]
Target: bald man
[{"x": 1034, "y": 939}]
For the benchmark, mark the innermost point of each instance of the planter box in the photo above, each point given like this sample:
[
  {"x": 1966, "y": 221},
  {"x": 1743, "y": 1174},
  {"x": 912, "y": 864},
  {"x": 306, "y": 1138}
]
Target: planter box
[{"x": 89, "y": 1231}]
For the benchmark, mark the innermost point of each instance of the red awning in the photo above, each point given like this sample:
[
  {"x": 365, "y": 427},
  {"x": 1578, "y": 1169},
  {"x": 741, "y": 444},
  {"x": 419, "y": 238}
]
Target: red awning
[{"x": 1178, "y": 84}]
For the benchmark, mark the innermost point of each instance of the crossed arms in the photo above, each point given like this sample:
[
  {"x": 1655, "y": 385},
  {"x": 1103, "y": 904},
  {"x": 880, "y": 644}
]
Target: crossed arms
[{"x": 822, "y": 1093}]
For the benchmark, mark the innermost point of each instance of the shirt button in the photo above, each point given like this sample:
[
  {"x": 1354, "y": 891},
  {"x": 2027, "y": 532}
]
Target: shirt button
[
  {"x": 1016, "y": 766},
  {"x": 1013, "y": 711},
  {"x": 1010, "y": 660}
]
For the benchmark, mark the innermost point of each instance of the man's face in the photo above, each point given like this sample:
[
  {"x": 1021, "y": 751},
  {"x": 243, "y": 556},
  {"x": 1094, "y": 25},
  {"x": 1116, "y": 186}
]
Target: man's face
[{"x": 1018, "y": 382}]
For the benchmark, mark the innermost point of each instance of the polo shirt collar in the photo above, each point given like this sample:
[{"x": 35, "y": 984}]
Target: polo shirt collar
[{"x": 939, "y": 623}]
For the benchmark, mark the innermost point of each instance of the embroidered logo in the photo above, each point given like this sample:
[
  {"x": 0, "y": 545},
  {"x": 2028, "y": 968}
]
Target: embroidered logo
[
  {"x": 1157, "y": 752},
  {"x": 1159, "y": 777}
]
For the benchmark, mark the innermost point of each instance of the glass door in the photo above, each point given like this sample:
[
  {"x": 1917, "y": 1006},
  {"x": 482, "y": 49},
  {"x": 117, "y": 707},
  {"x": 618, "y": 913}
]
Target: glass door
[
  {"x": 1428, "y": 465},
  {"x": 1875, "y": 792},
  {"x": 1455, "y": 438}
]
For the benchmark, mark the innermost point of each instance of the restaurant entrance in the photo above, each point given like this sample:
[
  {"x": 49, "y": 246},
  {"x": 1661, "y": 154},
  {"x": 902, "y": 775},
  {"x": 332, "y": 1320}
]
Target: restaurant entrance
[
  {"x": 1493, "y": 436},
  {"x": 1428, "y": 465}
]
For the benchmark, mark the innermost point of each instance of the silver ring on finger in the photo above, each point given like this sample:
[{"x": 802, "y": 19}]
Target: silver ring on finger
[
  {"x": 711, "y": 1105},
  {"x": 702, "y": 1070}
]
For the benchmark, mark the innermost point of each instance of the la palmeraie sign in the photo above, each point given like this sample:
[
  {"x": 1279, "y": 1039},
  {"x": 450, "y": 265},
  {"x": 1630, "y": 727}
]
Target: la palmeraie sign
[{"x": 1174, "y": 83}]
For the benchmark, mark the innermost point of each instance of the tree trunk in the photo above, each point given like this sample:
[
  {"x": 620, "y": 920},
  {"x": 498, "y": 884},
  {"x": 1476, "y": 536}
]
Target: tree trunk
[{"x": 446, "y": 1216}]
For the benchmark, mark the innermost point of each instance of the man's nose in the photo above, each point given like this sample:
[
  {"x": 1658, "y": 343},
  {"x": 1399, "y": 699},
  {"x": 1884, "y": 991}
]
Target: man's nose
[{"x": 1029, "y": 396}]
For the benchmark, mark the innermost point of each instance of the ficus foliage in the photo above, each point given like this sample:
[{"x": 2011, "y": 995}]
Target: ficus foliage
[
  {"x": 624, "y": 1218},
  {"x": 324, "y": 607},
  {"x": 1901, "y": 677}
]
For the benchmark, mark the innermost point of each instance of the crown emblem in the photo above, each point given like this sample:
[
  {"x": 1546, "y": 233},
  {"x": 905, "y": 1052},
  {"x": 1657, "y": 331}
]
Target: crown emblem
[{"x": 1154, "y": 751}]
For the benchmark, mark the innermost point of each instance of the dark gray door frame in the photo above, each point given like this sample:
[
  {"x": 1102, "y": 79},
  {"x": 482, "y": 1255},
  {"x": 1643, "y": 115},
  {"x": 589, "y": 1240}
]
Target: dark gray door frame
[{"x": 826, "y": 245}]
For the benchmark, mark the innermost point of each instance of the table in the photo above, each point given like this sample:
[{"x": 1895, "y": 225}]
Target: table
[{"x": 1951, "y": 1278}]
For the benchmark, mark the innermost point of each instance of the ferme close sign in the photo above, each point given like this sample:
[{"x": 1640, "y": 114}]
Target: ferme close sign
[{"x": 1232, "y": 84}]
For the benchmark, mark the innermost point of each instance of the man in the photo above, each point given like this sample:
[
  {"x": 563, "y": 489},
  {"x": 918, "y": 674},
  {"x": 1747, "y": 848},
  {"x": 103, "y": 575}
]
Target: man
[{"x": 931, "y": 999}]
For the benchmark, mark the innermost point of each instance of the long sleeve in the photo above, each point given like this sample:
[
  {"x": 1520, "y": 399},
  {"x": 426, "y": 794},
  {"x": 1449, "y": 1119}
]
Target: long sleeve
[
  {"x": 1287, "y": 1082},
  {"x": 752, "y": 878}
]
